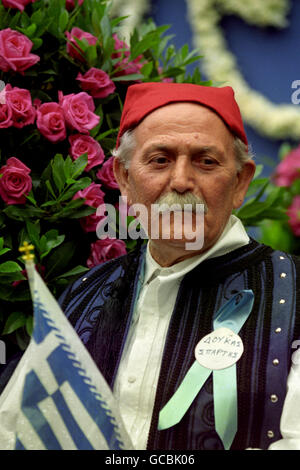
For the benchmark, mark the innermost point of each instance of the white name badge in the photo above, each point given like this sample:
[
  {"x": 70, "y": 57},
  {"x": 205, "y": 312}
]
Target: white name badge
[{"x": 219, "y": 349}]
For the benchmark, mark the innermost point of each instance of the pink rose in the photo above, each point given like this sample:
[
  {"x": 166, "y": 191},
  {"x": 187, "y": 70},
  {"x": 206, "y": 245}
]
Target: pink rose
[
  {"x": 106, "y": 174},
  {"x": 5, "y": 116},
  {"x": 78, "y": 111},
  {"x": 125, "y": 66},
  {"x": 51, "y": 122},
  {"x": 104, "y": 250},
  {"x": 86, "y": 144},
  {"x": 293, "y": 213},
  {"x": 121, "y": 48},
  {"x": 20, "y": 4},
  {"x": 73, "y": 48},
  {"x": 15, "y": 50},
  {"x": 70, "y": 4},
  {"x": 15, "y": 182},
  {"x": 94, "y": 197},
  {"x": 96, "y": 82},
  {"x": 20, "y": 103},
  {"x": 288, "y": 169}
]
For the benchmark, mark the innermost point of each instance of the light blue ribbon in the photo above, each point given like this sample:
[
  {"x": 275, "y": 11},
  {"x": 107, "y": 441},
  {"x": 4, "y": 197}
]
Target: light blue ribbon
[{"x": 233, "y": 316}]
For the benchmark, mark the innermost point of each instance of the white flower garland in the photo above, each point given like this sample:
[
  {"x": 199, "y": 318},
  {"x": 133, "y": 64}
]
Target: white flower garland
[{"x": 276, "y": 121}]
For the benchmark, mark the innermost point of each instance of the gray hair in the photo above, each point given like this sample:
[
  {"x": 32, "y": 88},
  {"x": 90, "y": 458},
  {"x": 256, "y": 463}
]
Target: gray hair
[
  {"x": 126, "y": 148},
  {"x": 128, "y": 145}
]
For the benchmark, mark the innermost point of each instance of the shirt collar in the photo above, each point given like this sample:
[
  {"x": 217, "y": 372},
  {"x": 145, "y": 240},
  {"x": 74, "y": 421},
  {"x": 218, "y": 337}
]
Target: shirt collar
[{"x": 234, "y": 236}]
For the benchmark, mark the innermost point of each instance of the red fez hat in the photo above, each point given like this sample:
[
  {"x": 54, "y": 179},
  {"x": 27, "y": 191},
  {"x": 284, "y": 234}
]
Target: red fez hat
[{"x": 143, "y": 98}]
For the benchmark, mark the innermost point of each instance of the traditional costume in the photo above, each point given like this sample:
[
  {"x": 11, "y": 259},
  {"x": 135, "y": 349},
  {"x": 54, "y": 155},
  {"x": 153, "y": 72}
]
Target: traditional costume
[{"x": 104, "y": 310}]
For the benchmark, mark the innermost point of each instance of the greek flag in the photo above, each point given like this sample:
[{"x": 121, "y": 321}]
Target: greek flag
[{"x": 57, "y": 399}]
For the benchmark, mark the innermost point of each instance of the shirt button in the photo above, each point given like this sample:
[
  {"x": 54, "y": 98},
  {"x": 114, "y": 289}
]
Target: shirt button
[{"x": 131, "y": 379}]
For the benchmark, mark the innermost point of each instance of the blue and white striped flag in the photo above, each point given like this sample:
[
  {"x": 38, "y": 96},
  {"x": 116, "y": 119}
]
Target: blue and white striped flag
[{"x": 57, "y": 398}]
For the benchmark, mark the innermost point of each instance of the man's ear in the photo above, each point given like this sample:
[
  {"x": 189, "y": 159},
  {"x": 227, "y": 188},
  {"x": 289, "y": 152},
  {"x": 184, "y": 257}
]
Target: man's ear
[
  {"x": 121, "y": 176},
  {"x": 244, "y": 176}
]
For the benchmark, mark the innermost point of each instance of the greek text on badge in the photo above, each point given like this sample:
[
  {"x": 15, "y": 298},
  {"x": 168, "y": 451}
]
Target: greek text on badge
[{"x": 219, "y": 349}]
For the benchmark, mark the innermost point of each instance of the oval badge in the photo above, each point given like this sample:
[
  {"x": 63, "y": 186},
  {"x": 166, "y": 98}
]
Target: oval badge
[{"x": 219, "y": 349}]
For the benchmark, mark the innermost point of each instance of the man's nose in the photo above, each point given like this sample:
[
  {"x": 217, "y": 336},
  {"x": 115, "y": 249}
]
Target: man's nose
[{"x": 183, "y": 174}]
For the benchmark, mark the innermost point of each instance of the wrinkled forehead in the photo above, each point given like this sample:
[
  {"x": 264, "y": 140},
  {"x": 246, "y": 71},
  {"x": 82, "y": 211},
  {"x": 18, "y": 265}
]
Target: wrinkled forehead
[
  {"x": 182, "y": 115},
  {"x": 180, "y": 126}
]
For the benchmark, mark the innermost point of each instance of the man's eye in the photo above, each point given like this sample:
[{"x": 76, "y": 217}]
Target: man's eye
[
  {"x": 161, "y": 160},
  {"x": 205, "y": 161}
]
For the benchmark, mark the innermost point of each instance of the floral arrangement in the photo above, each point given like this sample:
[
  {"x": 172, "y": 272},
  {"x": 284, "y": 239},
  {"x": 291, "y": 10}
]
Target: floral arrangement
[
  {"x": 285, "y": 234},
  {"x": 64, "y": 71}
]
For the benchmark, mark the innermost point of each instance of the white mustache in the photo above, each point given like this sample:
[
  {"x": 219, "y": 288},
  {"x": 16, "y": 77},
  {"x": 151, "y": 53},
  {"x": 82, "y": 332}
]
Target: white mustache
[{"x": 182, "y": 199}]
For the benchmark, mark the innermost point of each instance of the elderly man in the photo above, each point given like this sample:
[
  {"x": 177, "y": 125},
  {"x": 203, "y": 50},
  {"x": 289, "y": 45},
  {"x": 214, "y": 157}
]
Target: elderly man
[{"x": 141, "y": 316}]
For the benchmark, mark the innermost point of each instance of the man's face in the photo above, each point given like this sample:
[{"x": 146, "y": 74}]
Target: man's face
[{"x": 185, "y": 148}]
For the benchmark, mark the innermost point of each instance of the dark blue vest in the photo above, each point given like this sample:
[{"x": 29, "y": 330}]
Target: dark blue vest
[{"x": 101, "y": 303}]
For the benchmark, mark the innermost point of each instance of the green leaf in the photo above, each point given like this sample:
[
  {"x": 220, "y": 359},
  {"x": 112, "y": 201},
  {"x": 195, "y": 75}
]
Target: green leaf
[
  {"x": 78, "y": 166},
  {"x": 150, "y": 40},
  {"x": 5, "y": 292},
  {"x": 15, "y": 320},
  {"x": 49, "y": 241},
  {"x": 49, "y": 187},
  {"x": 22, "y": 213},
  {"x": 257, "y": 185},
  {"x": 82, "y": 183},
  {"x": 68, "y": 168},
  {"x": 58, "y": 171},
  {"x": 63, "y": 20},
  {"x": 7, "y": 278},
  {"x": 29, "y": 325},
  {"x": 277, "y": 235},
  {"x": 33, "y": 230},
  {"x": 147, "y": 69},
  {"x": 4, "y": 250},
  {"x": 91, "y": 55},
  {"x": 74, "y": 272},
  {"x": 59, "y": 259},
  {"x": 258, "y": 171},
  {"x": 71, "y": 210},
  {"x": 105, "y": 28},
  {"x": 131, "y": 77},
  {"x": 83, "y": 212},
  {"x": 10, "y": 267}
]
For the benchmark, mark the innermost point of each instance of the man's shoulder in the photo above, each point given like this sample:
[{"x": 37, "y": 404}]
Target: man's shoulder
[
  {"x": 278, "y": 256},
  {"x": 98, "y": 277},
  {"x": 97, "y": 273},
  {"x": 282, "y": 266}
]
